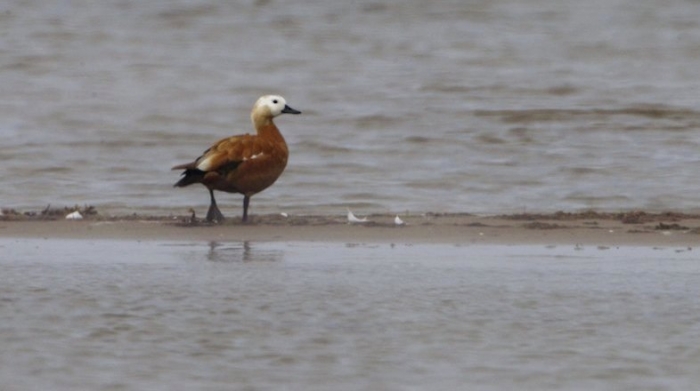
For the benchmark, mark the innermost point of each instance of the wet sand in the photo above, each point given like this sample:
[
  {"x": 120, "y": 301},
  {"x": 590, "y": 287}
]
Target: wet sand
[{"x": 634, "y": 228}]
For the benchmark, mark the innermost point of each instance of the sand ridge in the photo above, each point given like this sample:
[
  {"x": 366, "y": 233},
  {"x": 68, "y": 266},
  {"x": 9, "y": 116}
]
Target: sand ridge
[{"x": 577, "y": 228}]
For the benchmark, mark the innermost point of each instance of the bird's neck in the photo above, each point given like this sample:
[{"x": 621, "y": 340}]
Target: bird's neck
[{"x": 267, "y": 129}]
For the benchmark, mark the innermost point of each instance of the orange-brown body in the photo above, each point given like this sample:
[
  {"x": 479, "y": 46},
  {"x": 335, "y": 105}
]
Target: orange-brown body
[{"x": 246, "y": 164}]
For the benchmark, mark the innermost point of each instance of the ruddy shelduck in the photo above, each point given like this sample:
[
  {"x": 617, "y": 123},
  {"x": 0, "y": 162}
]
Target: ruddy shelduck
[{"x": 245, "y": 164}]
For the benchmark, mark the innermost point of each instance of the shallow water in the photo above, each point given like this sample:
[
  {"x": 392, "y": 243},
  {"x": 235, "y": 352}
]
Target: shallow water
[
  {"x": 481, "y": 106},
  {"x": 115, "y": 315}
]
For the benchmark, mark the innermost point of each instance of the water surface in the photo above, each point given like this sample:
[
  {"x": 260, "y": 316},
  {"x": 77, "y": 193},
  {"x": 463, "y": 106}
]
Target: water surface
[
  {"x": 116, "y": 315},
  {"x": 481, "y": 106}
]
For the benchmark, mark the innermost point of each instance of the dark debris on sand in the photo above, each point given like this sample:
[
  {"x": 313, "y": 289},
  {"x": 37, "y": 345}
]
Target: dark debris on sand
[
  {"x": 665, "y": 221},
  {"x": 271, "y": 219},
  {"x": 541, "y": 225},
  {"x": 630, "y": 217},
  {"x": 47, "y": 213}
]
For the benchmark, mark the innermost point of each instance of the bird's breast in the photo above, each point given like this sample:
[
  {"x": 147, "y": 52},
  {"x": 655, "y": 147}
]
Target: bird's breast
[{"x": 257, "y": 170}]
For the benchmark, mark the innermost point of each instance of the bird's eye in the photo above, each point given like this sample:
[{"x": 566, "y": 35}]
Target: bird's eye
[{"x": 274, "y": 101}]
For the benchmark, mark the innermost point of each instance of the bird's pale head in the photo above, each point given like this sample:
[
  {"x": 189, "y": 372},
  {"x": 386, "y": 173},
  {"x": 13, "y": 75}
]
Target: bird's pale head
[{"x": 273, "y": 105}]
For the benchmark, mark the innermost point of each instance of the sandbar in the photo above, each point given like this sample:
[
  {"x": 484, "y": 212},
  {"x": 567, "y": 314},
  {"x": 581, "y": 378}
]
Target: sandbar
[{"x": 630, "y": 228}]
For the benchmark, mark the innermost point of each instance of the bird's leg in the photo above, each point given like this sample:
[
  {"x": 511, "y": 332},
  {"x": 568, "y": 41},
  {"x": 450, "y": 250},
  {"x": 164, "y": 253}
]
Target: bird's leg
[
  {"x": 246, "y": 201},
  {"x": 214, "y": 214}
]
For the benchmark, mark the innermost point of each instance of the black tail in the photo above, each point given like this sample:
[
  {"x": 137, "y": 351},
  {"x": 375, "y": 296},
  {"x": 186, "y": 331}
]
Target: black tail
[{"x": 190, "y": 176}]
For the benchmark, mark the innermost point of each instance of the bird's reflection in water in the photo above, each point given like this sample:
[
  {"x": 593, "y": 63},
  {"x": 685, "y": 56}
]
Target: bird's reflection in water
[{"x": 242, "y": 252}]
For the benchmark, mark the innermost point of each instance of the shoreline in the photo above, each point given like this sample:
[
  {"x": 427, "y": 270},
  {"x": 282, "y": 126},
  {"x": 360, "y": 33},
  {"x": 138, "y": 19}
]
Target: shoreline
[{"x": 635, "y": 228}]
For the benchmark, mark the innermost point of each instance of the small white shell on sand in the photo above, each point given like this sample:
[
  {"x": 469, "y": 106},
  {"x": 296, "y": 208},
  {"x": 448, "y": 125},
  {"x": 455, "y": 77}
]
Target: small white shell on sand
[
  {"x": 354, "y": 220},
  {"x": 74, "y": 216},
  {"x": 398, "y": 221},
  {"x": 285, "y": 215}
]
